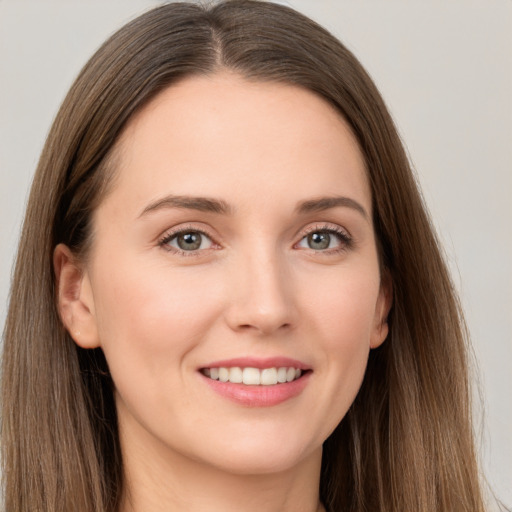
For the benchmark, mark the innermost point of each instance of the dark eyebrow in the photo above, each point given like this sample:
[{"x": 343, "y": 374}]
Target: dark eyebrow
[
  {"x": 325, "y": 203},
  {"x": 202, "y": 204}
]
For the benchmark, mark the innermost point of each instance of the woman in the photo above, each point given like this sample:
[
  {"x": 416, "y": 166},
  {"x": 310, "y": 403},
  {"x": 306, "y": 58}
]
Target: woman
[{"x": 228, "y": 293}]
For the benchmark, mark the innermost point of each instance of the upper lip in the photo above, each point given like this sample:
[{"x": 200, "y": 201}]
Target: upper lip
[{"x": 260, "y": 363}]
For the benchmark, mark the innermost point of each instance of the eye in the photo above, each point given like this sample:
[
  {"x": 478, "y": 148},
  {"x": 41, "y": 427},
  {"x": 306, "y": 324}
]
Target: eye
[
  {"x": 325, "y": 239},
  {"x": 188, "y": 241}
]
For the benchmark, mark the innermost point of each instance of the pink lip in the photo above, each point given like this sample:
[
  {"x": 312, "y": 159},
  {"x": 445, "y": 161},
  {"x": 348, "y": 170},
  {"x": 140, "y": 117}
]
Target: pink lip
[{"x": 258, "y": 396}]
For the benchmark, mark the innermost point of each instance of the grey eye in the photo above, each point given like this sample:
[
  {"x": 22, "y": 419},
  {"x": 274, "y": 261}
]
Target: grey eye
[
  {"x": 190, "y": 241},
  {"x": 319, "y": 240},
  {"x": 323, "y": 239}
]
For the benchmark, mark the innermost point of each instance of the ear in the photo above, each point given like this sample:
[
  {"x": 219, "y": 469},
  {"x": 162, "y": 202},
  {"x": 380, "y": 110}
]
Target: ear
[
  {"x": 382, "y": 308},
  {"x": 74, "y": 298}
]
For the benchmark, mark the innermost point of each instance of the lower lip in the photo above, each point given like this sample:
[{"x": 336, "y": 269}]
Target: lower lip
[{"x": 258, "y": 396}]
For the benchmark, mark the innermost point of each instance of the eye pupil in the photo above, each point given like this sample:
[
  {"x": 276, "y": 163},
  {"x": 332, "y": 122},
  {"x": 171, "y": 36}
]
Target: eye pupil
[
  {"x": 319, "y": 240},
  {"x": 189, "y": 241}
]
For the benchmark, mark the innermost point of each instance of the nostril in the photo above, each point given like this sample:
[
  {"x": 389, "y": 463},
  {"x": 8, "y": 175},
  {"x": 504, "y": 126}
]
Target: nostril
[{"x": 264, "y": 328}]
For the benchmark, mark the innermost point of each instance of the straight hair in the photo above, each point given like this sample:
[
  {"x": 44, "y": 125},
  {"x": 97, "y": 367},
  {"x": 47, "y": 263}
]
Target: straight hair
[{"x": 406, "y": 444}]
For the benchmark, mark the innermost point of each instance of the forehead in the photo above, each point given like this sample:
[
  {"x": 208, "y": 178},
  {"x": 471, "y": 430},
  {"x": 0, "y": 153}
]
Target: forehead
[{"x": 219, "y": 134}]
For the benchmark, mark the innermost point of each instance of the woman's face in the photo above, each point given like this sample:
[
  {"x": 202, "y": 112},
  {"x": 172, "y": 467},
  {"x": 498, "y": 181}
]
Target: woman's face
[{"x": 237, "y": 241}]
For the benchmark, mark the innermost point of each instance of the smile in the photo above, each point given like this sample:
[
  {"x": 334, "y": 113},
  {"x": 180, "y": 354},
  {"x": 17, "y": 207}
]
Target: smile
[
  {"x": 253, "y": 376},
  {"x": 257, "y": 382}
]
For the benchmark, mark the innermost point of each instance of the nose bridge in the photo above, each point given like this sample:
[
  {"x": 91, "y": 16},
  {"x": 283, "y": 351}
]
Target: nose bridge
[{"x": 263, "y": 300}]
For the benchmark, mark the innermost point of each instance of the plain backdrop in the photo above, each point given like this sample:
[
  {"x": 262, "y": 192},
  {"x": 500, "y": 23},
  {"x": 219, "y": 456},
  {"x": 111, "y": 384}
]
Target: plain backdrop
[{"x": 445, "y": 71}]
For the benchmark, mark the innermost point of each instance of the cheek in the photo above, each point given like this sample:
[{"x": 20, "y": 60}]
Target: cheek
[
  {"x": 344, "y": 305},
  {"x": 151, "y": 314},
  {"x": 149, "y": 321},
  {"x": 342, "y": 320}
]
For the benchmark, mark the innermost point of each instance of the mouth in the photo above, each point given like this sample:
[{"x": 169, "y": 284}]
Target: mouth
[
  {"x": 251, "y": 376},
  {"x": 257, "y": 382}
]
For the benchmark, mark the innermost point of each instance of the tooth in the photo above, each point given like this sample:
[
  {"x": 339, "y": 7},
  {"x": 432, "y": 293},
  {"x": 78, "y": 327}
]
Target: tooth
[
  {"x": 269, "y": 376},
  {"x": 251, "y": 376},
  {"x": 281, "y": 374},
  {"x": 223, "y": 374},
  {"x": 235, "y": 375}
]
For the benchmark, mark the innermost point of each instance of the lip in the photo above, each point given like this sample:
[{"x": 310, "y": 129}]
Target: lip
[{"x": 258, "y": 396}]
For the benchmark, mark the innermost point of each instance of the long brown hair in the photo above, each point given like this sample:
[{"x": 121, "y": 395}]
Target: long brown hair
[{"x": 406, "y": 443}]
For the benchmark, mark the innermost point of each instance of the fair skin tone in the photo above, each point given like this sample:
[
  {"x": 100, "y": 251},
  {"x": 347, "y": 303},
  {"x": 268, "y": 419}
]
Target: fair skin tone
[{"x": 276, "y": 259}]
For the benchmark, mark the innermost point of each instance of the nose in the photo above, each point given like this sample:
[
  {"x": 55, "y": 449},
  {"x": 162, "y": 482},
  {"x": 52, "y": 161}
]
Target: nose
[{"x": 262, "y": 300}]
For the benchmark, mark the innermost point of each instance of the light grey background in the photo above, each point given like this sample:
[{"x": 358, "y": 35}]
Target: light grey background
[{"x": 445, "y": 70}]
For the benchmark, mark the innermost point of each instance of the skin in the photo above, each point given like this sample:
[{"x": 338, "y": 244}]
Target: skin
[{"x": 255, "y": 287}]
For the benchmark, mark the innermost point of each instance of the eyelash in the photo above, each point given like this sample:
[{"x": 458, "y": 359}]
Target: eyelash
[
  {"x": 168, "y": 236},
  {"x": 345, "y": 239}
]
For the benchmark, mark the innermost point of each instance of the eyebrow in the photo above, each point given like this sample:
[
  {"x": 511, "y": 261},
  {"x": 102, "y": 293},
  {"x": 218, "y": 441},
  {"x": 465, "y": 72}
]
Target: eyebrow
[
  {"x": 202, "y": 204},
  {"x": 211, "y": 205},
  {"x": 326, "y": 203}
]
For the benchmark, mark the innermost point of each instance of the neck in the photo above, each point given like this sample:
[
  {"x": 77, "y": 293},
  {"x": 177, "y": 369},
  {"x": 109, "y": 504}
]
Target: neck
[{"x": 158, "y": 481}]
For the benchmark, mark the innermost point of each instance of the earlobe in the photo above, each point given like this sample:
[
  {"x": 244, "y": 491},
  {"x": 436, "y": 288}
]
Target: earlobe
[
  {"x": 74, "y": 298},
  {"x": 383, "y": 307}
]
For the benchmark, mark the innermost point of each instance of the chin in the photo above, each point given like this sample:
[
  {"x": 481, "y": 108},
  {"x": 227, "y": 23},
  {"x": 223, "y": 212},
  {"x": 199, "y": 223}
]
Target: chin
[
  {"x": 260, "y": 455},
  {"x": 256, "y": 464}
]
